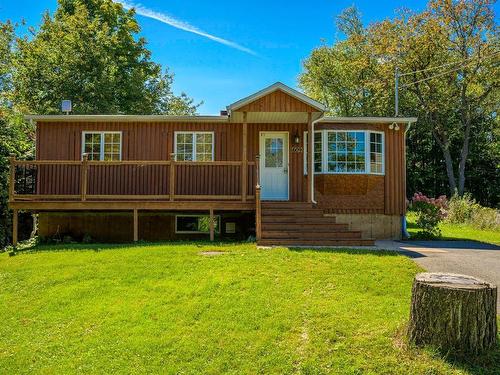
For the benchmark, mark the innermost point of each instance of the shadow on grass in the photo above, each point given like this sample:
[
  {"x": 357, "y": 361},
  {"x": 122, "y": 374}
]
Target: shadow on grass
[
  {"x": 487, "y": 363},
  {"x": 97, "y": 247},
  {"x": 354, "y": 251}
]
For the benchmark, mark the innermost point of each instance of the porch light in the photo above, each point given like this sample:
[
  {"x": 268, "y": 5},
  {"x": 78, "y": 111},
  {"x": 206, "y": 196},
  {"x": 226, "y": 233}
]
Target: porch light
[{"x": 296, "y": 138}]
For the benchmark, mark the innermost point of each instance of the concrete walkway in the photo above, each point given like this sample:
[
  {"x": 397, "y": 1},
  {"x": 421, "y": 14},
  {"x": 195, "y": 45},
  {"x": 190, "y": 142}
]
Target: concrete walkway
[{"x": 465, "y": 257}]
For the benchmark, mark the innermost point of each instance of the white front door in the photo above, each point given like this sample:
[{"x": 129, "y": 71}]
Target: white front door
[{"x": 274, "y": 165}]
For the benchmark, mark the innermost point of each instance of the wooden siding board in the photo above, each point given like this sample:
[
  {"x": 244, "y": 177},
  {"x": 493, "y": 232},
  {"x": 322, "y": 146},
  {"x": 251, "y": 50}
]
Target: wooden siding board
[{"x": 277, "y": 101}]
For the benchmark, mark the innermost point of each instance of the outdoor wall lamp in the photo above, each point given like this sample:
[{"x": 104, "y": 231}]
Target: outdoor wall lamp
[
  {"x": 296, "y": 138},
  {"x": 394, "y": 126}
]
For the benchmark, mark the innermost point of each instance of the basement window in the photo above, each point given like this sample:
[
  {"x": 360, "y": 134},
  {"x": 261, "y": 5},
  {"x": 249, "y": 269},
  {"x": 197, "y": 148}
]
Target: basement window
[
  {"x": 102, "y": 145},
  {"x": 194, "y": 146},
  {"x": 195, "y": 224}
]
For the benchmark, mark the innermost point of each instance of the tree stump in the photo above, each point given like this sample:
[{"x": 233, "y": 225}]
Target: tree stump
[{"x": 455, "y": 313}]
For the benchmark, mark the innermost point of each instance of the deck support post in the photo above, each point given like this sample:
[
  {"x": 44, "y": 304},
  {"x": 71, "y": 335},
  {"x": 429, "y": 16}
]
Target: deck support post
[
  {"x": 244, "y": 159},
  {"x": 257, "y": 201},
  {"x": 15, "y": 221},
  {"x": 136, "y": 225},
  {"x": 212, "y": 225},
  {"x": 83, "y": 177},
  {"x": 171, "y": 190},
  {"x": 310, "y": 152}
]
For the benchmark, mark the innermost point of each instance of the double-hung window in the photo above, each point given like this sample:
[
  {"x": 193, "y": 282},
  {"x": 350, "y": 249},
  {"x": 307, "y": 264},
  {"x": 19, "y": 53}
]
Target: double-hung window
[
  {"x": 102, "y": 145},
  {"x": 347, "y": 151},
  {"x": 376, "y": 153},
  {"x": 318, "y": 155},
  {"x": 194, "y": 146}
]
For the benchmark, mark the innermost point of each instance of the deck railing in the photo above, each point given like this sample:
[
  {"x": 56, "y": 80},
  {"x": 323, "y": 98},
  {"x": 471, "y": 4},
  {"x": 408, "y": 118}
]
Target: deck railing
[{"x": 168, "y": 180}]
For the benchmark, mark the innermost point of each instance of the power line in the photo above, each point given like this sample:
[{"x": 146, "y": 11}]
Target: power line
[
  {"x": 444, "y": 73},
  {"x": 448, "y": 64}
]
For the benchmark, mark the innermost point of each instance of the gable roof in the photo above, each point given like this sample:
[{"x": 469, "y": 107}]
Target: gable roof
[{"x": 270, "y": 89}]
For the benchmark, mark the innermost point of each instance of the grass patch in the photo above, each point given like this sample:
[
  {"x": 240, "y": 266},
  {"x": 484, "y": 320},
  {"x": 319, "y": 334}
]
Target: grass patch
[
  {"x": 458, "y": 231},
  {"x": 167, "y": 308}
]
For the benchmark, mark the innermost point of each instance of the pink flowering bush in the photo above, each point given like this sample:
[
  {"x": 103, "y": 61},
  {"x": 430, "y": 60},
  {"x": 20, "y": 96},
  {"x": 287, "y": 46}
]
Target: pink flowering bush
[
  {"x": 430, "y": 212},
  {"x": 440, "y": 202}
]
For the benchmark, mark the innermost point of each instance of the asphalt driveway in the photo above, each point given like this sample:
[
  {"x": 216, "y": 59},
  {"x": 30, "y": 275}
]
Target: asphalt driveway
[{"x": 465, "y": 257}]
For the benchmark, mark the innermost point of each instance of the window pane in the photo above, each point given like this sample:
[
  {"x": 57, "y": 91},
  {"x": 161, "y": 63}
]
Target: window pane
[
  {"x": 196, "y": 224},
  {"x": 347, "y": 150},
  {"x": 273, "y": 152},
  {"x": 376, "y": 153},
  {"x": 184, "y": 149},
  {"x": 92, "y": 146},
  {"x": 112, "y": 145},
  {"x": 204, "y": 146}
]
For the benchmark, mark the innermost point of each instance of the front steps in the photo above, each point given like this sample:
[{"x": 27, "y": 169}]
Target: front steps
[{"x": 302, "y": 224}]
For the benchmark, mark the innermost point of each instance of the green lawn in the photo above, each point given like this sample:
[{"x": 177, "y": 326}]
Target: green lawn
[
  {"x": 165, "y": 308},
  {"x": 459, "y": 232}
]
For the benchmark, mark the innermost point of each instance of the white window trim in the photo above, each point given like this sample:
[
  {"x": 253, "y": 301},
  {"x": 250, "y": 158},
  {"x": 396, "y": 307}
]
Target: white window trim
[
  {"x": 216, "y": 230},
  {"x": 383, "y": 152},
  {"x": 102, "y": 133},
  {"x": 194, "y": 143},
  {"x": 324, "y": 151}
]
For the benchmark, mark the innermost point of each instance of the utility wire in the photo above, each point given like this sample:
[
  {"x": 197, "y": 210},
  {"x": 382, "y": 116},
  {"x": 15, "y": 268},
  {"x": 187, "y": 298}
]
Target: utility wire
[
  {"x": 443, "y": 73},
  {"x": 448, "y": 64}
]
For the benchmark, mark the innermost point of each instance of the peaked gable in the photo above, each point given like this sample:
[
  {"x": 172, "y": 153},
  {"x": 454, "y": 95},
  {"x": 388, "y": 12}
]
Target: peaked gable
[{"x": 277, "y": 98}]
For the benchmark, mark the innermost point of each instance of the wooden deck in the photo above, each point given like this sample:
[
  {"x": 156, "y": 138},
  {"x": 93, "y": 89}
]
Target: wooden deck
[{"x": 67, "y": 185}]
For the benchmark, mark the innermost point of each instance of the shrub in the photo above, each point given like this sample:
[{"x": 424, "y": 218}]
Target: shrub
[
  {"x": 430, "y": 211},
  {"x": 485, "y": 218},
  {"x": 428, "y": 218},
  {"x": 465, "y": 210},
  {"x": 461, "y": 208},
  {"x": 86, "y": 238}
]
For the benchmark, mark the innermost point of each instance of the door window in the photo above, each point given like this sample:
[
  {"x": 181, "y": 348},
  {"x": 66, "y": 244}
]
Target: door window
[{"x": 274, "y": 153}]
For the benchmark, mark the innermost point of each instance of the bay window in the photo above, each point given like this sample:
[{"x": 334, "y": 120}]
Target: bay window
[{"x": 347, "y": 151}]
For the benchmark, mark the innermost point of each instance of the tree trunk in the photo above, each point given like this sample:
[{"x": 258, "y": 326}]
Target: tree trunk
[
  {"x": 448, "y": 162},
  {"x": 463, "y": 159},
  {"x": 455, "y": 313}
]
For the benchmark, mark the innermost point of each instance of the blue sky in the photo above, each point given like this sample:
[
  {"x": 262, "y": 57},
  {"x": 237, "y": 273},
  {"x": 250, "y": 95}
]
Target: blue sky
[{"x": 263, "y": 42}]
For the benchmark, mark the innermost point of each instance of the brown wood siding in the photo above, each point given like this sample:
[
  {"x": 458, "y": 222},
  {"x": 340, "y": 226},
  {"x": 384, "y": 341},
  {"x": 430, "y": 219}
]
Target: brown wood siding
[
  {"x": 154, "y": 141},
  {"x": 140, "y": 140},
  {"x": 277, "y": 101},
  {"x": 360, "y": 193}
]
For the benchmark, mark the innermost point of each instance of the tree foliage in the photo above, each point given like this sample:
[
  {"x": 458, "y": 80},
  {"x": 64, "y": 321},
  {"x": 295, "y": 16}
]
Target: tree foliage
[
  {"x": 89, "y": 52},
  {"x": 448, "y": 55}
]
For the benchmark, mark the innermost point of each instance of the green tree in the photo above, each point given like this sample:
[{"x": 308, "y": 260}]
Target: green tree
[
  {"x": 89, "y": 52},
  {"x": 451, "y": 48},
  {"x": 16, "y": 136}
]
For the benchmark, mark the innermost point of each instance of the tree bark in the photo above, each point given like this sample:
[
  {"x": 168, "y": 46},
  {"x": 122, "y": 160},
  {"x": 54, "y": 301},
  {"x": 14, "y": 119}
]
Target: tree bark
[
  {"x": 448, "y": 162},
  {"x": 463, "y": 159},
  {"x": 454, "y": 313}
]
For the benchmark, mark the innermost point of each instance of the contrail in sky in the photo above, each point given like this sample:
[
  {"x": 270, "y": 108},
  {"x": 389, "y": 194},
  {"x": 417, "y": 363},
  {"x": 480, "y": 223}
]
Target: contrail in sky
[{"x": 182, "y": 25}]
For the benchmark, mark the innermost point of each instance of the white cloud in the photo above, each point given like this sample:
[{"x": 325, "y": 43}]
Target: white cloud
[{"x": 182, "y": 25}]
